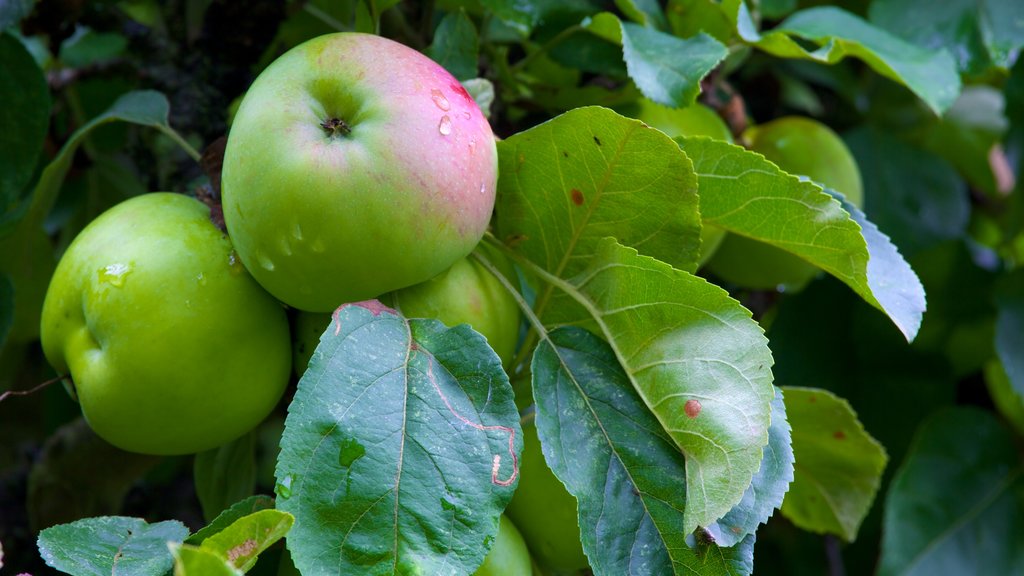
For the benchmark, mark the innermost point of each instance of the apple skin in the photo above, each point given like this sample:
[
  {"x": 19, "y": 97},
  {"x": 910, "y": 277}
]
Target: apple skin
[
  {"x": 694, "y": 120},
  {"x": 509, "y": 555},
  {"x": 799, "y": 146},
  {"x": 322, "y": 217},
  {"x": 545, "y": 512},
  {"x": 172, "y": 347}
]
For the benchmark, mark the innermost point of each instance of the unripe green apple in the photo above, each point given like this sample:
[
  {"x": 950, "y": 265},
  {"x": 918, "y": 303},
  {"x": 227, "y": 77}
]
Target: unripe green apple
[
  {"x": 509, "y": 555},
  {"x": 172, "y": 347},
  {"x": 545, "y": 512},
  {"x": 355, "y": 166},
  {"x": 694, "y": 120},
  {"x": 800, "y": 146},
  {"x": 466, "y": 293}
]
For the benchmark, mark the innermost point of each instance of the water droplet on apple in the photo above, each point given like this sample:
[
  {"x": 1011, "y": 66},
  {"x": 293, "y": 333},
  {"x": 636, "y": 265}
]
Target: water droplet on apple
[
  {"x": 235, "y": 263},
  {"x": 114, "y": 274},
  {"x": 265, "y": 261},
  {"x": 445, "y": 127},
  {"x": 483, "y": 188},
  {"x": 201, "y": 278},
  {"x": 297, "y": 231},
  {"x": 438, "y": 97},
  {"x": 318, "y": 246},
  {"x": 285, "y": 246}
]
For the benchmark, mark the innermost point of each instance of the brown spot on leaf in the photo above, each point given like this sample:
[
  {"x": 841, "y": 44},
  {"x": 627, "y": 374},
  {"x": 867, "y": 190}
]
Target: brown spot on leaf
[
  {"x": 812, "y": 399},
  {"x": 515, "y": 239},
  {"x": 597, "y": 140},
  {"x": 839, "y": 435},
  {"x": 243, "y": 550},
  {"x": 564, "y": 153},
  {"x": 577, "y": 197},
  {"x": 692, "y": 408}
]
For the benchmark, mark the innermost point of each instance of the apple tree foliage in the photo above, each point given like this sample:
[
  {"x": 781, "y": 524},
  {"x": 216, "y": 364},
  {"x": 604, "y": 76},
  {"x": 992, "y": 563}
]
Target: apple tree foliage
[{"x": 869, "y": 422}]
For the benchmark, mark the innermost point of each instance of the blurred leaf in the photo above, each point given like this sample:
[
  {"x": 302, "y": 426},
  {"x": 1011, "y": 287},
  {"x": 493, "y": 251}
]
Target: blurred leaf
[
  {"x": 193, "y": 561},
  {"x": 931, "y": 74},
  {"x": 456, "y": 45},
  {"x": 767, "y": 489},
  {"x": 400, "y": 448},
  {"x": 24, "y": 115},
  {"x": 144, "y": 107},
  {"x": 6, "y": 308},
  {"x": 705, "y": 373},
  {"x": 245, "y": 539},
  {"x": 691, "y": 17},
  {"x": 748, "y": 195},
  {"x": 1009, "y": 403},
  {"x": 915, "y": 196},
  {"x": 838, "y": 464},
  {"x": 775, "y": 9},
  {"x": 978, "y": 34},
  {"x": 228, "y": 517},
  {"x": 12, "y": 12},
  {"x": 482, "y": 91},
  {"x": 87, "y": 47},
  {"x": 619, "y": 463},
  {"x": 521, "y": 15},
  {"x": 225, "y": 475},
  {"x": 667, "y": 69},
  {"x": 64, "y": 484},
  {"x": 647, "y": 13},
  {"x": 99, "y": 545},
  {"x": 954, "y": 506},
  {"x": 588, "y": 174},
  {"x": 1010, "y": 327}
]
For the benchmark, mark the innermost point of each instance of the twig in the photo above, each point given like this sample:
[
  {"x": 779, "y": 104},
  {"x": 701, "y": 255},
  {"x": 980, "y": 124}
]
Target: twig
[{"x": 37, "y": 388}]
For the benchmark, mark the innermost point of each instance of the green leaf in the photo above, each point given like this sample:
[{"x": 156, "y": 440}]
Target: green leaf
[
  {"x": 12, "y": 12},
  {"x": 144, "y": 107},
  {"x": 225, "y": 475},
  {"x": 228, "y": 517},
  {"x": 930, "y": 74},
  {"x": 193, "y": 561},
  {"x": 915, "y": 196},
  {"x": 456, "y": 45},
  {"x": 979, "y": 34},
  {"x": 954, "y": 506},
  {"x": 1010, "y": 327},
  {"x": 768, "y": 487},
  {"x": 242, "y": 542},
  {"x": 520, "y": 15},
  {"x": 400, "y": 448},
  {"x": 647, "y": 13},
  {"x": 482, "y": 91},
  {"x": 113, "y": 545},
  {"x": 6, "y": 308},
  {"x": 705, "y": 373},
  {"x": 611, "y": 453},
  {"x": 688, "y": 18},
  {"x": 838, "y": 464},
  {"x": 1009, "y": 403},
  {"x": 667, "y": 69},
  {"x": 88, "y": 47},
  {"x": 24, "y": 115},
  {"x": 748, "y": 195},
  {"x": 588, "y": 174}
]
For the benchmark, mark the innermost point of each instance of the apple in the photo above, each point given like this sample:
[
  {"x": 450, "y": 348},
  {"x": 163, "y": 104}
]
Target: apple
[
  {"x": 466, "y": 293},
  {"x": 171, "y": 346},
  {"x": 545, "y": 512},
  {"x": 800, "y": 146},
  {"x": 509, "y": 555},
  {"x": 694, "y": 120},
  {"x": 355, "y": 166}
]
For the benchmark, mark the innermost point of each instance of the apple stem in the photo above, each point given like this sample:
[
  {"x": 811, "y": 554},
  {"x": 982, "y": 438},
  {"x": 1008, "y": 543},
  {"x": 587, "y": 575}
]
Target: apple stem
[{"x": 336, "y": 127}]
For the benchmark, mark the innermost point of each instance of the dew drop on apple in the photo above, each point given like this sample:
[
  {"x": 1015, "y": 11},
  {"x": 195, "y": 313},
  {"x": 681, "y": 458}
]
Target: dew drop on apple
[
  {"x": 114, "y": 274},
  {"x": 297, "y": 231},
  {"x": 438, "y": 97},
  {"x": 235, "y": 263},
  {"x": 265, "y": 261},
  {"x": 201, "y": 278},
  {"x": 318, "y": 246},
  {"x": 285, "y": 246},
  {"x": 445, "y": 126}
]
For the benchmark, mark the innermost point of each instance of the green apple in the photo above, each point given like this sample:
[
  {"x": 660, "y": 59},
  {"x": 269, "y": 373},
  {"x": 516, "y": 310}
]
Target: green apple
[
  {"x": 694, "y": 120},
  {"x": 355, "y": 166},
  {"x": 803, "y": 147},
  {"x": 466, "y": 293},
  {"x": 509, "y": 555},
  {"x": 171, "y": 346},
  {"x": 545, "y": 512}
]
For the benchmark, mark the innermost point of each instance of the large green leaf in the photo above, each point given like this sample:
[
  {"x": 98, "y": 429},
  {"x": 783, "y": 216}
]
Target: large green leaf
[
  {"x": 667, "y": 69},
  {"x": 24, "y": 115},
  {"x": 113, "y": 545},
  {"x": 144, "y": 107},
  {"x": 978, "y": 34},
  {"x": 768, "y": 487},
  {"x": 225, "y": 475},
  {"x": 242, "y": 542},
  {"x": 614, "y": 457},
  {"x": 748, "y": 195},
  {"x": 955, "y": 504},
  {"x": 697, "y": 359},
  {"x": 916, "y": 197},
  {"x": 1010, "y": 327},
  {"x": 838, "y": 464},
  {"x": 400, "y": 447},
  {"x": 930, "y": 74},
  {"x": 456, "y": 45}
]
